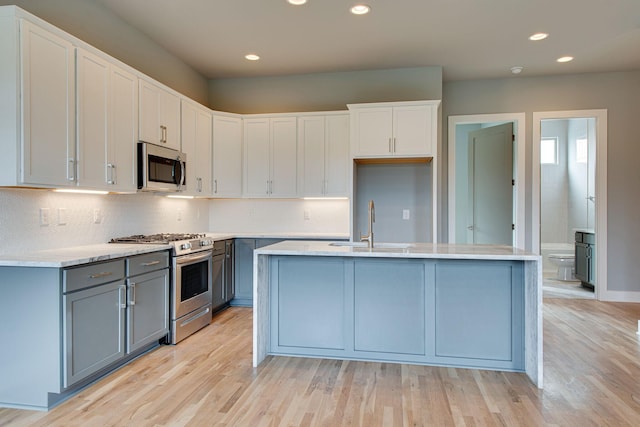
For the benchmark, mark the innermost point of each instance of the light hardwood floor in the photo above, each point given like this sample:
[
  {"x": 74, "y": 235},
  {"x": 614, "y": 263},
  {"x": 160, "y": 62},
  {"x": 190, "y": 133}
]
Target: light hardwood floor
[{"x": 592, "y": 377}]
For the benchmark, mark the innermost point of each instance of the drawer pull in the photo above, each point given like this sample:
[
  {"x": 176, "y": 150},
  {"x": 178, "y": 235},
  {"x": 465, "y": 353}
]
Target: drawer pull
[
  {"x": 99, "y": 275},
  {"x": 150, "y": 263}
]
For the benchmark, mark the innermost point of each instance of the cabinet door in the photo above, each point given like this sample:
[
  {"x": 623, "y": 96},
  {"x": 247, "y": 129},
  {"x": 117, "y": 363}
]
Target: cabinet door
[
  {"x": 147, "y": 308},
  {"x": 372, "y": 131},
  {"x": 149, "y": 113},
  {"x": 93, "y": 78},
  {"x": 229, "y": 271},
  {"x": 196, "y": 143},
  {"x": 94, "y": 330},
  {"x": 123, "y": 131},
  {"x": 170, "y": 119},
  {"x": 227, "y": 156},
  {"x": 256, "y": 157},
  {"x": 413, "y": 130},
  {"x": 337, "y": 156},
  {"x": 582, "y": 262},
  {"x": 284, "y": 155},
  {"x": 48, "y": 101},
  {"x": 159, "y": 116},
  {"x": 244, "y": 272},
  {"x": 311, "y": 138},
  {"x": 217, "y": 282}
]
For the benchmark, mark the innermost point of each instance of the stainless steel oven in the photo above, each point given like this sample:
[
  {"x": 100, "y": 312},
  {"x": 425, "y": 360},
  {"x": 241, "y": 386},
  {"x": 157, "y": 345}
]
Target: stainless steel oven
[{"x": 191, "y": 298}]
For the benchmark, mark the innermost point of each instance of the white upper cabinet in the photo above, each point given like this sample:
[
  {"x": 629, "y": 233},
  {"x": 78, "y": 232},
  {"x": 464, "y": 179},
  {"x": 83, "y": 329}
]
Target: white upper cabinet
[
  {"x": 47, "y": 81},
  {"x": 270, "y": 157},
  {"x": 227, "y": 156},
  {"x": 107, "y": 110},
  {"x": 159, "y": 115},
  {"x": 196, "y": 144},
  {"x": 323, "y": 155},
  {"x": 394, "y": 129}
]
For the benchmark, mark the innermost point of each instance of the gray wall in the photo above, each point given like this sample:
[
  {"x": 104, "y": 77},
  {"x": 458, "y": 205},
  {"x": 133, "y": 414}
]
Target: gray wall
[
  {"x": 93, "y": 24},
  {"x": 618, "y": 93},
  {"x": 325, "y": 91}
]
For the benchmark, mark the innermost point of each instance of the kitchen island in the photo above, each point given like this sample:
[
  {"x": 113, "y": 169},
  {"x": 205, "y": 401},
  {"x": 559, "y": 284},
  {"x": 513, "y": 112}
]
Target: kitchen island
[{"x": 474, "y": 306}]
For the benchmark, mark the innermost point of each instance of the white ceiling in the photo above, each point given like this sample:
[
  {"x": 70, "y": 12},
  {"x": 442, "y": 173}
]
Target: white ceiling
[{"x": 470, "y": 39}]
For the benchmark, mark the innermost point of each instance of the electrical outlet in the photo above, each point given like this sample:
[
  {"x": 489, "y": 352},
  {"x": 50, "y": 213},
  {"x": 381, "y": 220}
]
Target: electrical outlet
[
  {"x": 97, "y": 216},
  {"x": 44, "y": 216},
  {"x": 62, "y": 216},
  {"x": 307, "y": 215},
  {"x": 179, "y": 215},
  {"x": 406, "y": 214}
]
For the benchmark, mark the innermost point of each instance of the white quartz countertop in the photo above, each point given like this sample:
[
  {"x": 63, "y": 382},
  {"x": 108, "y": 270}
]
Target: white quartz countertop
[
  {"x": 277, "y": 235},
  {"x": 68, "y": 257},
  {"x": 395, "y": 250},
  {"x": 76, "y": 255}
]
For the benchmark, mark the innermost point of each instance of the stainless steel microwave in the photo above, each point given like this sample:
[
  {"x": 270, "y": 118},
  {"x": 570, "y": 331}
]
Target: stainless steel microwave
[{"x": 160, "y": 169}]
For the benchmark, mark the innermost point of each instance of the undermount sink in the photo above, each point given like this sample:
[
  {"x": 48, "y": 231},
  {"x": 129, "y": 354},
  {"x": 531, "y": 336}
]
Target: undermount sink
[{"x": 375, "y": 245}]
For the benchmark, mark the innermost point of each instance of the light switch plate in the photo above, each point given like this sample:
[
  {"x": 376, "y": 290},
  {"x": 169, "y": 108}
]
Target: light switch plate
[
  {"x": 406, "y": 214},
  {"x": 44, "y": 216}
]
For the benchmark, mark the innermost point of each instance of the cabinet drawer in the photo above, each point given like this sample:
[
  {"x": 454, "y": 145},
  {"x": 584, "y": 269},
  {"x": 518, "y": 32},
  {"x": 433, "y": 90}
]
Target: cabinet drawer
[
  {"x": 588, "y": 238},
  {"x": 145, "y": 263},
  {"x": 92, "y": 275}
]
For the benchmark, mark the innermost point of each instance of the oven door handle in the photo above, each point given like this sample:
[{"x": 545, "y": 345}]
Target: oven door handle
[{"x": 188, "y": 259}]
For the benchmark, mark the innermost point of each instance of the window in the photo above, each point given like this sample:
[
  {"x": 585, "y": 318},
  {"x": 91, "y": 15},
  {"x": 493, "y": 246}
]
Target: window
[
  {"x": 582, "y": 150},
  {"x": 549, "y": 151}
]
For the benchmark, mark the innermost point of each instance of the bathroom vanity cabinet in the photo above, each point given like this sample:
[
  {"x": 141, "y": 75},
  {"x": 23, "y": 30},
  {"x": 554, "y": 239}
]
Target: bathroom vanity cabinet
[{"x": 585, "y": 258}]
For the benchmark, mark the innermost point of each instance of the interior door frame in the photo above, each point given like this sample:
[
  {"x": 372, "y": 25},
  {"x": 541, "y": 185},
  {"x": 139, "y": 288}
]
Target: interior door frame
[
  {"x": 519, "y": 164},
  {"x": 601, "y": 291}
]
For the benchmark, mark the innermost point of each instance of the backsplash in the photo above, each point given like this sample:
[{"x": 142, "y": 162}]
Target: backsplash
[
  {"x": 280, "y": 216},
  {"x": 91, "y": 219}
]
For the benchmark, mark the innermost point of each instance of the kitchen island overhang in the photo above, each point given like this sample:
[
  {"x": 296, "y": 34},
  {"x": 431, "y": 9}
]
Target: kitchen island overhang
[{"x": 473, "y": 306}]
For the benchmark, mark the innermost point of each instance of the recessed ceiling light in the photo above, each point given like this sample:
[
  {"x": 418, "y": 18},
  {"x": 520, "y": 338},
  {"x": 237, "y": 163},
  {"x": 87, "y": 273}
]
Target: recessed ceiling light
[
  {"x": 565, "y": 59},
  {"x": 360, "y": 9},
  {"x": 252, "y": 57},
  {"x": 517, "y": 69},
  {"x": 297, "y": 2},
  {"x": 538, "y": 36}
]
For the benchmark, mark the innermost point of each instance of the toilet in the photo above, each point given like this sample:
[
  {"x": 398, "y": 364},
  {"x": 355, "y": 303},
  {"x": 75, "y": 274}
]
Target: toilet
[{"x": 565, "y": 264}]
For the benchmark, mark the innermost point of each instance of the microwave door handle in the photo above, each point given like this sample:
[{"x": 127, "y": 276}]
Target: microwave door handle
[{"x": 183, "y": 173}]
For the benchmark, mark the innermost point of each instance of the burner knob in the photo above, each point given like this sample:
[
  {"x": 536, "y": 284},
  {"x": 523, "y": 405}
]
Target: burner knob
[
  {"x": 185, "y": 246},
  {"x": 206, "y": 242}
]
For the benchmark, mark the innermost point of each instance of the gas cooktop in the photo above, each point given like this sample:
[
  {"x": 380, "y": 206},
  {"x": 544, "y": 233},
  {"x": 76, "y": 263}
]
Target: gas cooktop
[{"x": 157, "y": 238}]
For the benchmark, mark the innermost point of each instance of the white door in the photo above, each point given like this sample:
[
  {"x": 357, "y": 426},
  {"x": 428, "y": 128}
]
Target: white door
[
  {"x": 337, "y": 156},
  {"x": 256, "y": 157},
  {"x": 284, "y": 156},
  {"x": 227, "y": 156},
  {"x": 123, "y": 130},
  {"x": 311, "y": 136},
  {"x": 412, "y": 130},
  {"x": 490, "y": 218}
]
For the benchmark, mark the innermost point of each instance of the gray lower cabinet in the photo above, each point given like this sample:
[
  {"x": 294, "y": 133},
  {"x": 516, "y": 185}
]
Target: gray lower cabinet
[
  {"x": 585, "y": 258},
  {"x": 229, "y": 271},
  {"x": 243, "y": 265},
  {"x": 223, "y": 270},
  {"x": 445, "y": 312},
  {"x": 94, "y": 329},
  {"x": 112, "y": 310}
]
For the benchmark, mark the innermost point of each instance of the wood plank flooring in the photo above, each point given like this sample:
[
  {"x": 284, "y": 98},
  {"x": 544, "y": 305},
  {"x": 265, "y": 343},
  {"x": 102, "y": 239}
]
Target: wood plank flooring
[{"x": 592, "y": 378}]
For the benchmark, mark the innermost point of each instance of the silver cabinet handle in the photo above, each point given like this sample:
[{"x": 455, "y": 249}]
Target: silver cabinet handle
[
  {"x": 99, "y": 275},
  {"x": 163, "y": 134},
  {"x": 110, "y": 173},
  {"x": 270, "y": 187},
  {"x": 150, "y": 263},
  {"x": 122, "y": 291},
  {"x": 394, "y": 144},
  {"x": 267, "y": 186},
  {"x": 71, "y": 176},
  {"x": 215, "y": 186},
  {"x": 132, "y": 294},
  {"x": 390, "y": 145}
]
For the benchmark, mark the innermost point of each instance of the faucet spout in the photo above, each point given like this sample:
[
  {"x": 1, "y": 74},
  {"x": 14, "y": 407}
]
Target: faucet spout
[{"x": 372, "y": 218}]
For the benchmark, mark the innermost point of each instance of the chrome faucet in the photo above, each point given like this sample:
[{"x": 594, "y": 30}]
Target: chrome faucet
[{"x": 372, "y": 218}]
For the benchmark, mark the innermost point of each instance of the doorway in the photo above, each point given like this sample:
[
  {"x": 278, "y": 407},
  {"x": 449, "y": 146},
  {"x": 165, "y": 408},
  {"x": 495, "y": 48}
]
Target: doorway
[
  {"x": 458, "y": 179},
  {"x": 595, "y": 201}
]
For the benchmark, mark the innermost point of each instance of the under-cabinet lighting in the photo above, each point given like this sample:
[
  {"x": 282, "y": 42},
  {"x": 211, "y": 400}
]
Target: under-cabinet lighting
[
  {"x": 79, "y": 191},
  {"x": 179, "y": 196},
  {"x": 325, "y": 198}
]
